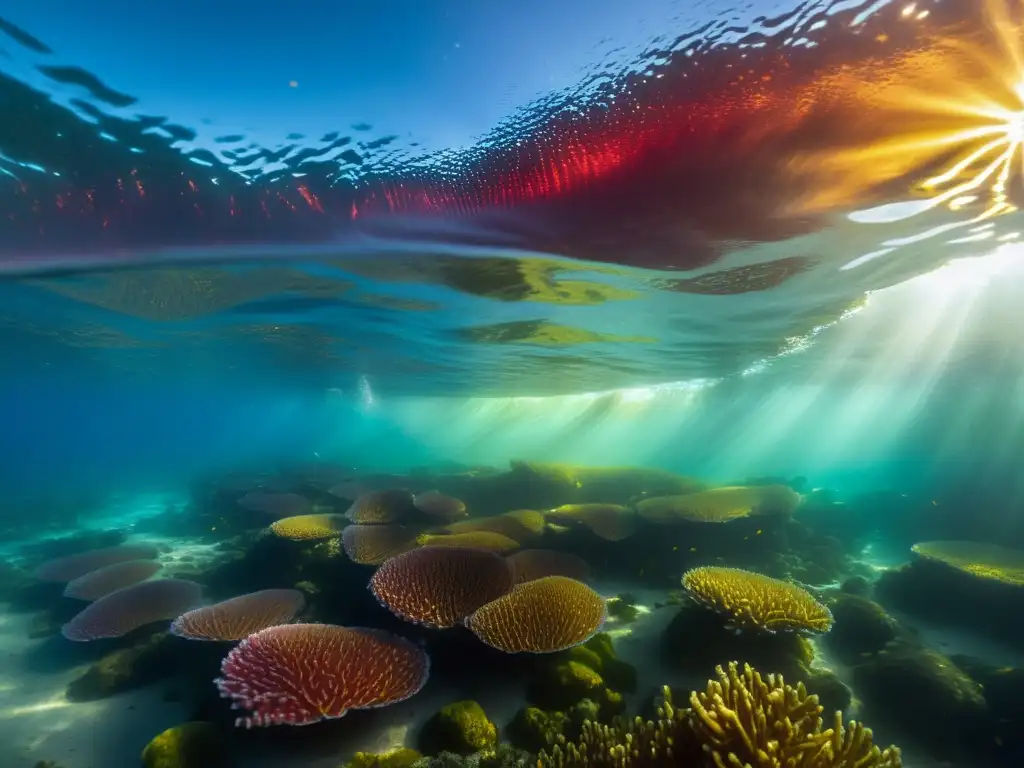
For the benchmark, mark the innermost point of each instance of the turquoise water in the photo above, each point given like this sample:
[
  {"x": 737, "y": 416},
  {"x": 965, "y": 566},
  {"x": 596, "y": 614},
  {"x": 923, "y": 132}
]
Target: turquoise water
[{"x": 746, "y": 276}]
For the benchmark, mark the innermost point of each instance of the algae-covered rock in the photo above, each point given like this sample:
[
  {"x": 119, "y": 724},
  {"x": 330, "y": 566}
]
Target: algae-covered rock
[
  {"x": 503, "y": 756},
  {"x": 461, "y": 727},
  {"x": 190, "y": 745},
  {"x": 921, "y": 691},
  {"x": 400, "y": 757},
  {"x": 621, "y": 610},
  {"x": 599, "y": 654},
  {"x": 125, "y": 669},
  {"x": 861, "y": 628},
  {"x": 833, "y": 694},
  {"x": 534, "y": 729}
]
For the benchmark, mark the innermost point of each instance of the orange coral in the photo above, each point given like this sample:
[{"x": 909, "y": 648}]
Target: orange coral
[
  {"x": 541, "y": 616},
  {"x": 754, "y": 601}
]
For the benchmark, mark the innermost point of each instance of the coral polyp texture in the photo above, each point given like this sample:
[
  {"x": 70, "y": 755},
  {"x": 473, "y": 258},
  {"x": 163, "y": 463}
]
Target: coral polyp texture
[
  {"x": 119, "y": 612},
  {"x": 540, "y": 616},
  {"x": 984, "y": 561},
  {"x": 297, "y": 674},
  {"x": 309, "y": 527},
  {"x": 740, "y": 721},
  {"x": 440, "y": 586},
  {"x": 241, "y": 616},
  {"x": 71, "y": 567},
  {"x": 373, "y": 544},
  {"x": 110, "y": 578},
  {"x": 757, "y": 602},
  {"x": 743, "y": 719}
]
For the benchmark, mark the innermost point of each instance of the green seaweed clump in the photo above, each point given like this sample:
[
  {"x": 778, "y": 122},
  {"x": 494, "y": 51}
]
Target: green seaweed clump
[
  {"x": 190, "y": 745},
  {"x": 589, "y": 671},
  {"x": 125, "y": 669},
  {"x": 400, "y": 757},
  {"x": 461, "y": 728}
]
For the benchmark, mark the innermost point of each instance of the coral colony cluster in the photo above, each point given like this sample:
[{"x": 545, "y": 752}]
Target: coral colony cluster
[{"x": 503, "y": 563}]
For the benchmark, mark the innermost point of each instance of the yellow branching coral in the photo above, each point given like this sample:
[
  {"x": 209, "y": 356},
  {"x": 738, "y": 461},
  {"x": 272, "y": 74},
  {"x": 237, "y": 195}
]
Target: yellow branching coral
[
  {"x": 755, "y": 601},
  {"x": 743, "y": 720}
]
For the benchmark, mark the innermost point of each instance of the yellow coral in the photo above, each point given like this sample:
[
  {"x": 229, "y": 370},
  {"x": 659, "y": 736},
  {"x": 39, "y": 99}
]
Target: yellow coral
[
  {"x": 740, "y": 721},
  {"x": 309, "y": 527},
  {"x": 720, "y": 505},
  {"x": 744, "y": 720},
  {"x": 985, "y": 561},
  {"x": 754, "y": 601}
]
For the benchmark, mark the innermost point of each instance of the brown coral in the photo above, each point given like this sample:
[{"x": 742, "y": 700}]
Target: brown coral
[
  {"x": 540, "y": 616},
  {"x": 373, "y": 544},
  {"x": 611, "y": 522},
  {"x": 754, "y": 601}
]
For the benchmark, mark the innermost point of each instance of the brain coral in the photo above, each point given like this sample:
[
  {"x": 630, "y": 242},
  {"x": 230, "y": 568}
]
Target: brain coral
[
  {"x": 296, "y": 674},
  {"x": 440, "y": 586},
  {"x": 540, "y": 616},
  {"x": 754, "y": 601}
]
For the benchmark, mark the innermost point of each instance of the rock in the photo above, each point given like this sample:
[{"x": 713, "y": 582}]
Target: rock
[
  {"x": 126, "y": 669},
  {"x": 461, "y": 728},
  {"x": 400, "y": 757},
  {"x": 534, "y": 729},
  {"x": 862, "y": 627},
  {"x": 190, "y": 745}
]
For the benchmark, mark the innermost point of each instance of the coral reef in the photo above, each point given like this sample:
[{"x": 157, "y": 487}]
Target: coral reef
[
  {"x": 190, "y": 745},
  {"x": 461, "y": 728},
  {"x": 741, "y": 719}
]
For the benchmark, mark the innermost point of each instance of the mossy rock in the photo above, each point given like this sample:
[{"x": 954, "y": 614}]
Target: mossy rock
[
  {"x": 125, "y": 669},
  {"x": 833, "y": 694},
  {"x": 400, "y": 757},
  {"x": 922, "y": 692},
  {"x": 856, "y": 585},
  {"x": 697, "y": 640},
  {"x": 599, "y": 654},
  {"x": 621, "y": 612},
  {"x": 861, "y": 628},
  {"x": 190, "y": 745},
  {"x": 534, "y": 729},
  {"x": 461, "y": 728},
  {"x": 562, "y": 685}
]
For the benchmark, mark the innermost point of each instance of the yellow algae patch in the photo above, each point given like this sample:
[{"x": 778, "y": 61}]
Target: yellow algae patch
[
  {"x": 985, "y": 561},
  {"x": 754, "y": 601},
  {"x": 486, "y": 540},
  {"x": 309, "y": 527},
  {"x": 519, "y": 524},
  {"x": 612, "y": 522}
]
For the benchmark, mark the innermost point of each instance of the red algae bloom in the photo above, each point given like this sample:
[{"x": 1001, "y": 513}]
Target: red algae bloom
[
  {"x": 440, "y": 586},
  {"x": 71, "y": 567},
  {"x": 126, "y": 609},
  {"x": 110, "y": 578},
  {"x": 241, "y": 616},
  {"x": 298, "y": 674}
]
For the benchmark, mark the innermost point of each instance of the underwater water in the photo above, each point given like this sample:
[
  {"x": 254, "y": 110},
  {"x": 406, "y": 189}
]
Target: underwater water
[{"x": 557, "y": 384}]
